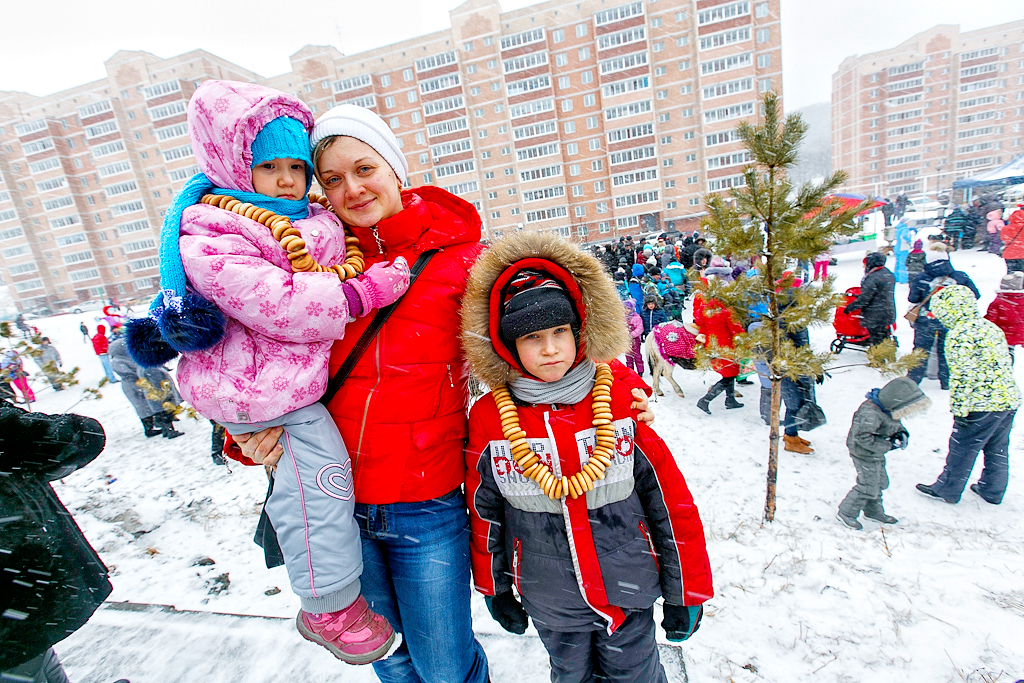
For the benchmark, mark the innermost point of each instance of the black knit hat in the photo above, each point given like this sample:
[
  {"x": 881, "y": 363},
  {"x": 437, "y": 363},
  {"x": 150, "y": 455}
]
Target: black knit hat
[{"x": 534, "y": 301}]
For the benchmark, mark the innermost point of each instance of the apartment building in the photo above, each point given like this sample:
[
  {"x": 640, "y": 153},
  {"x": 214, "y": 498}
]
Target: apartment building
[
  {"x": 940, "y": 106},
  {"x": 591, "y": 119}
]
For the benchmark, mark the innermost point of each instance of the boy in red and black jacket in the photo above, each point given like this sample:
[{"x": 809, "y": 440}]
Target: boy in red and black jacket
[{"x": 572, "y": 502}]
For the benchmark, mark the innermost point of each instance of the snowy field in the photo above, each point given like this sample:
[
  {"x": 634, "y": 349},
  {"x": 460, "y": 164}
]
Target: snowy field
[{"x": 937, "y": 597}]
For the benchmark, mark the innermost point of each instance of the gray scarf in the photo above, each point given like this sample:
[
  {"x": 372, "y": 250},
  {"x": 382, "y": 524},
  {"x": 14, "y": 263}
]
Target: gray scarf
[{"x": 575, "y": 386}]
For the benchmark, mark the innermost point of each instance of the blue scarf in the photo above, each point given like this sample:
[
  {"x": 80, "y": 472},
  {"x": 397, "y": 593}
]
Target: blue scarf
[
  {"x": 873, "y": 397},
  {"x": 172, "y": 272}
]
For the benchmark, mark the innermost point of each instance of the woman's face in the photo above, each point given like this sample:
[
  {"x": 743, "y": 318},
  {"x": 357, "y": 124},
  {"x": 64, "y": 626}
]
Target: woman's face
[{"x": 360, "y": 184}]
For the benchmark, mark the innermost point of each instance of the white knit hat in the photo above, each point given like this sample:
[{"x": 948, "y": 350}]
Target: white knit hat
[{"x": 362, "y": 124}]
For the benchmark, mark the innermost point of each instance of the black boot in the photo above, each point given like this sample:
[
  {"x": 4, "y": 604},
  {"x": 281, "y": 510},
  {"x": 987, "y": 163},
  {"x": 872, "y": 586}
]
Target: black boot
[
  {"x": 730, "y": 397},
  {"x": 166, "y": 422},
  {"x": 149, "y": 426},
  {"x": 705, "y": 403}
]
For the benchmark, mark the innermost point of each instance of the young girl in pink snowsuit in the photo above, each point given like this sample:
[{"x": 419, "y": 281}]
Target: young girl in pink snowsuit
[
  {"x": 635, "y": 324},
  {"x": 267, "y": 366}
]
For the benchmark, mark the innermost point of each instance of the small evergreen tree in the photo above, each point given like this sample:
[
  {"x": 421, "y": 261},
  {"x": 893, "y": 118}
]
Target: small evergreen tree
[{"x": 777, "y": 224}]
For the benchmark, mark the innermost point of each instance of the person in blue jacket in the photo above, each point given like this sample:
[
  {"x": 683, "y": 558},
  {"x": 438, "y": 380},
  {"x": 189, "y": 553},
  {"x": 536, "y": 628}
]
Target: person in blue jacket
[{"x": 903, "y": 242}]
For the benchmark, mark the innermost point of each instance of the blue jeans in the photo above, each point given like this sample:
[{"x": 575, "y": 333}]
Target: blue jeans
[
  {"x": 794, "y": 394},
  {"x": 925, "y": 330},
  {"x": 108, "y": 368},
  {"x": 978, "y": 432},
  {"x": 416, "y": 573}
]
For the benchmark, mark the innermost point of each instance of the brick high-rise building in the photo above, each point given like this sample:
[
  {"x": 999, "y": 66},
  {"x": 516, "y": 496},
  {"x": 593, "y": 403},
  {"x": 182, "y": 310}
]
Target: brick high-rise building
[
  {"x": 591, "y": 119},
  {"x": 937, "y": 107}
]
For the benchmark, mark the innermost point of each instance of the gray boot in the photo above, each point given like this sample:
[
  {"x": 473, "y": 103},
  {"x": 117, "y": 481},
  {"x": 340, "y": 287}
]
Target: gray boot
[{"x": 873, "y": 510}]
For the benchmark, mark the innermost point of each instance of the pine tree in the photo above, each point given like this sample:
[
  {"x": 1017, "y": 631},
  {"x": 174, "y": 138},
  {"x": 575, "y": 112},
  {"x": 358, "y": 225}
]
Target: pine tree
[{"x": 777, "y": 224}]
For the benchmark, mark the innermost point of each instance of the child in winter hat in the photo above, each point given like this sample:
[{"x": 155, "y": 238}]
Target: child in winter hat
[
  {"x": 877, "y": 429},
  {"x": 267, "y": 365},
  {"x": 1007, "y": 309},
  {"x": 916, "y": 259},
  {"x": 558, "y": 467}
]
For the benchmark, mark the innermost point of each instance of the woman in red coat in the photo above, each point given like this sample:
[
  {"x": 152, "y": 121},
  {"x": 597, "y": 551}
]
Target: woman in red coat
[
  {"x": 402, "y": 410},
  {"x": 718, "y": 328}
]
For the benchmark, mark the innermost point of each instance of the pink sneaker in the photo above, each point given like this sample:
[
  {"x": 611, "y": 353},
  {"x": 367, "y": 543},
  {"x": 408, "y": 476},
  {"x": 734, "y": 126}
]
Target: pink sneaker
[{"x": 355, "y": 635}]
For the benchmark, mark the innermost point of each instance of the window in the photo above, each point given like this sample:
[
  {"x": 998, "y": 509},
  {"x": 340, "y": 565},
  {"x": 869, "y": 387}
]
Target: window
[
  {"x": 505, "y": 151},
  {"x": 763, "y": 35},
  {"x": 411, "y": 96},
  {"x": 684, "y": 65},
  {"x": 474, "y": 91},
  {"x": 764, "y": 61},
  {"x": 680, "y": 16},
  {"x": 481, "y": 133},
  {"x": 557, "y": 36},
  {"x": 495, "y": 214},
  {"x": 581, "y": 30},
  {"x": 512, "y": 191},
  {"x": 587, "y": 77},
  {"x": 660, "y": 71},
  {"x": 591, "y": 122},
  {"x": 656, "y": 22},
  {"x": 580, "y": 212},
  {"x": 574, "y": 170},
  {"x": 764, "y": 85},
  {"x": 761, "y": 10},
  {"x": 420, "y": 139},
  {"x": 691, "y": 157},
  {"x": 594, "y": 144},
  {"x": 663, "y": 118},
  {"x": 661, "y": 95},
  {"x": 563, "y": 82},
  {"x": 489, "y": 175},
  {"x": 683, "y": 41},
  {"x": 478, "y": 113},
  {"x": 389, "y": 102},
  {"x": 428, "y": 178},
  {"x": 618, "y": 13},
  {"x": 723, "y": 12},
  {"x": 424, "y": 158},
  {"x": 569, "y": 126},
  {"x": 599, "y": 186},
  {"x": 658, "y": 46},
  {"x": 589, "y": 100},
  {"x": 394, "y": 122},
  {"x": 567, "y": 104},
  {"x": 602, "y": 207},
  {"x": 572, "y": 148},
  {"x": 694, "y": 201},
  {"x": 670, "y": 183},
  {"x": 495, "y": 86},
  {"x": 561, "y": 59},
  {"x": 467, "y": 46},
  {"x": 471, "y": 69},
  {"x": 491, "y": 64},
  {"x": 577, "y": 190},
  {"x": 666, "y": 162}
]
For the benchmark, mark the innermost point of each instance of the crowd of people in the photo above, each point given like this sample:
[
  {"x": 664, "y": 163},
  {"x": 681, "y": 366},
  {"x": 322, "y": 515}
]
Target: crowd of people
[{"x": 302, "y": 325}]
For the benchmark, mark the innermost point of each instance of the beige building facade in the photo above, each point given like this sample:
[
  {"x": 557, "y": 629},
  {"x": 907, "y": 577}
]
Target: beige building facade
[
  {"x": 942, "y": 105},
  {"x": 591, "y": 119}
]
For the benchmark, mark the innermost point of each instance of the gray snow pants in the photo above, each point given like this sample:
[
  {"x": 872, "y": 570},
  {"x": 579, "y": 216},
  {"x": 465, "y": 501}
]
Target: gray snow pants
[
  {"x": 312, "y": 509},
  {"x": 630, "y": 655},
  {"x": 872, "y": 479}
]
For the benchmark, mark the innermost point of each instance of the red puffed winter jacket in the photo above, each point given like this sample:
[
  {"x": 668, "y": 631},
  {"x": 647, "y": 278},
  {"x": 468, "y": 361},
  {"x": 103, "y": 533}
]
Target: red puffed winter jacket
[
  {"x": 1007, "y": 312},
  {"x": 1013, "y": 236},
  {"x": 402, "y": 411},
  {"x": 716, "y": 322}
]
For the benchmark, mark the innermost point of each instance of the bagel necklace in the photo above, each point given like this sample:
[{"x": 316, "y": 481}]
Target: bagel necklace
[
  {"x": 535, "y": 468},
  {"x": 291, "y": 240}
]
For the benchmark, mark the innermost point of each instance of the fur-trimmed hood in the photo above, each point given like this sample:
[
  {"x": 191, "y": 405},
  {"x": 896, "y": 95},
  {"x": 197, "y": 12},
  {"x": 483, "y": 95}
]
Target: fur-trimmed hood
[{"x": 603, "y": 334}]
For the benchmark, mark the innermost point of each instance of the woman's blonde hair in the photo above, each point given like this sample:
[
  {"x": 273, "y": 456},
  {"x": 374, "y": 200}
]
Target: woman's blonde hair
[{"x": 321, "y": 147}]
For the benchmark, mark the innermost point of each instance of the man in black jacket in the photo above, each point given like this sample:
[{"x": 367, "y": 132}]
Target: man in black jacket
[
  {"x": 938, "y": 273},
  {"x": 51, "y": 580},
  {"x": 877, "y": 300}
]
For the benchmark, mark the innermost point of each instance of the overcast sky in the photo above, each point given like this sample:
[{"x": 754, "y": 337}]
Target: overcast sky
[{"x": 58, "y": 44}]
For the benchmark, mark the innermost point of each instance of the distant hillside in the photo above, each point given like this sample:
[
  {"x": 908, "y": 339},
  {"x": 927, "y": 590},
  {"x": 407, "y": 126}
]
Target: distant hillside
[{"x": 815, "y": 155}]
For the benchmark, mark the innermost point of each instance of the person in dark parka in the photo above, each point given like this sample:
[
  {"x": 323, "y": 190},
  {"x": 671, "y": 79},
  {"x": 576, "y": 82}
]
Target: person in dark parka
[
  {"x": 155, "y": 418},
  {"x": 51, "y": 580},
  {"x": 928, "y": 331},
  {"x": 877, "y": 300}
]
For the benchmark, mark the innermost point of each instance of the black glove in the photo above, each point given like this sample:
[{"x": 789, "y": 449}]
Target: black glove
[
  {"x": 900, "y": 439},
  {"x": 681, "y": 622},
  {"x": 847, "y": 310},
  {"x": 507, "y": 611}
]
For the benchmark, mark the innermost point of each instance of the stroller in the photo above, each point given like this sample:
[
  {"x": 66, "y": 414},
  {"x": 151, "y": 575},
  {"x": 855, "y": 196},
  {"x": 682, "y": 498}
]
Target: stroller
[{"x": 849, "y": 330}]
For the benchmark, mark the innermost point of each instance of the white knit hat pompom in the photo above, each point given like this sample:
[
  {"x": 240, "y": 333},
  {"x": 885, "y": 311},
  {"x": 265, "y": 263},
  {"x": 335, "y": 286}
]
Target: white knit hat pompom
[{"x": 365, "y": 126}]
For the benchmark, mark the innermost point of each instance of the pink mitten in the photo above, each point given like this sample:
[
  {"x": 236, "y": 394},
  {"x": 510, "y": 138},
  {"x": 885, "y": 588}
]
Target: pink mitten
[{"x": 381, "y": 284}]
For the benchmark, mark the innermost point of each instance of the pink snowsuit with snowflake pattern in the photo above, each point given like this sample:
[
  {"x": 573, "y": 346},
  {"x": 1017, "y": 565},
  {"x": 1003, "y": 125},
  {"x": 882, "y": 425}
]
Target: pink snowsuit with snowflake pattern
[
  {"x": 271, "y": 366},
  {"x": 273, "y": 359}
]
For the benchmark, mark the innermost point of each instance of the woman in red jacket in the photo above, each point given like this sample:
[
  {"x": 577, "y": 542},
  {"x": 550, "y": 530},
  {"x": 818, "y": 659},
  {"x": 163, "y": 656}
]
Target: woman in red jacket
[
  {"x": 402, "y": 410},
  {"x": 717, "y": 328},
  {"x": 1007, "y": 309}
]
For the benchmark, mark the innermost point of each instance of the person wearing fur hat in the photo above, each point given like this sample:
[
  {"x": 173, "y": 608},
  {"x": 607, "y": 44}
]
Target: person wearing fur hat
[
  {"x": 270, "y": 366},
  {"x": 877, "y": 428},
  {"x": 877, "y": 299},
  {"x": 574, "y": 504},
  {"x": 938, "y": 273},
  {"x": 1007, "y": 309}
]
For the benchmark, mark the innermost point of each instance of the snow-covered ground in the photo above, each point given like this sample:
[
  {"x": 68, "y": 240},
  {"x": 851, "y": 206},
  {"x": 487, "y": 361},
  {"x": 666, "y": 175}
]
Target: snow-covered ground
[{"x": 937, "y": 597}]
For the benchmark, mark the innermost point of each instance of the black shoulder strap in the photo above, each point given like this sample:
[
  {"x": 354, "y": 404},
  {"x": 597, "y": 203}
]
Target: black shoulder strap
[{"x": 371, "y": 331}]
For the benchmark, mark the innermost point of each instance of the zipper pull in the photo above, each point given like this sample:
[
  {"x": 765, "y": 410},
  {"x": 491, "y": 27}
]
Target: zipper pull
[
  {"x": 376, "y": 236},
  {"x": 450, "y": 380}
]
